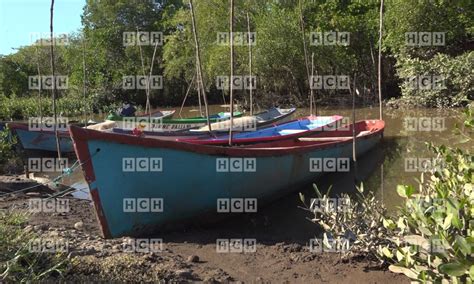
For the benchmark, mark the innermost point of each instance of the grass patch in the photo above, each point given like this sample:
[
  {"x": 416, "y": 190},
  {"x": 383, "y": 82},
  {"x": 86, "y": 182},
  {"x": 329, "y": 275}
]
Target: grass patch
[{"x": 24, "y": 256}]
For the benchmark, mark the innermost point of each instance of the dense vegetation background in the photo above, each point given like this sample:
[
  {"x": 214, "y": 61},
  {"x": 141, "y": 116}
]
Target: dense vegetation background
[{"x": 278, "y": 56}]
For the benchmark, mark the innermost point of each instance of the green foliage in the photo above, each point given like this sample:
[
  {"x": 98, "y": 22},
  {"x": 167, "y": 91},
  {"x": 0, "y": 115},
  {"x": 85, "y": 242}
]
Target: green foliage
[
  {"x": 457, "y": 75},
  {"x": 431, "y": 236},
  {"x": 278, "y": 57},
  {"x": 21, "y": 108},
  {"x": 18, "y": 263},
  {"x": 6, "y": 146}
]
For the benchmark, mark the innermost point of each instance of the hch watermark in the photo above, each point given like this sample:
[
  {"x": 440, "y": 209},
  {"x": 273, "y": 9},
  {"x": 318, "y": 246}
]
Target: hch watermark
[
  {"x": 330, "y": 38},
  {"x": 140, "y": 82},
  {"x": 330, "y": 205},
  {"x": 238, "y": 39},
  {"x": 425, "y": 124},
  {"x": 338, "y": 245},
  {"x": 224, "y": 165},
  {"x": 47, "y": 123},
  {"x": 236, "y": 245},
  {"x": 44, "y": 38},
  {"x": 142, "y": 38},
  {"x": 142, "y": 205},
  {"x": 427, "y": 82},
  {"x": 48, "y": 82},
  {"x": 236, "y": 205},
  {"x": 238, "y": 82},
  {"x": 48, "y": 245},
  {"x": 142, "y": 164},
  {"x": 423, "y": 164},
  {"x": 329, "y": 165},
  {"x": 329, "y": 82},
  {"x": 143, "y": 246},
  {"x": 39, "y": 205},
  {"x": 47, "y": 164},
  {"x": 425, "y": 38}
]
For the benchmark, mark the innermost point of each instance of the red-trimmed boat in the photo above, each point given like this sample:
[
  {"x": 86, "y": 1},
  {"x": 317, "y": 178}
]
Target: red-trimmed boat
[{"x": 143, "y": 185}]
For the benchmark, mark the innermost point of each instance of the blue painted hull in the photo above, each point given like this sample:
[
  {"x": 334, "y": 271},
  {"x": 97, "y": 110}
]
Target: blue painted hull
[
  {"x": 43, "y": 141},
  {"x": 188, "y": 182}
]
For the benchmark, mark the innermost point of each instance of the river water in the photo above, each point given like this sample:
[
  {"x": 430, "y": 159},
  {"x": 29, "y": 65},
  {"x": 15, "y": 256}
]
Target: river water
[{"x": 381, "y": 170}]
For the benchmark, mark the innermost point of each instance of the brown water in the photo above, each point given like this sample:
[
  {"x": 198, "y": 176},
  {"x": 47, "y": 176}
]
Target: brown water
[{"x": 381, "y": 170}]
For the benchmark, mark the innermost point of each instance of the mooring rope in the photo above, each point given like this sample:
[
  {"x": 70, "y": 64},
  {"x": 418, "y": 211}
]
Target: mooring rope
[{"x": 66, "y": 172}]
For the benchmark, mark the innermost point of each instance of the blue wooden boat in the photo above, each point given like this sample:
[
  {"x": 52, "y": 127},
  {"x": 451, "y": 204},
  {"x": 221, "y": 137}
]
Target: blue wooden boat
[
  {"x": 186, "y": 180},
  {"x": 41, "y": 140},
  {"x": 296, "y": 128}
]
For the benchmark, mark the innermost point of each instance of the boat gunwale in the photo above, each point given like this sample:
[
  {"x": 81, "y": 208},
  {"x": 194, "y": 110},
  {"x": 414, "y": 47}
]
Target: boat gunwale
[
  {"x": 78, "y": 133},
  {"x": 24, "y": 126}
]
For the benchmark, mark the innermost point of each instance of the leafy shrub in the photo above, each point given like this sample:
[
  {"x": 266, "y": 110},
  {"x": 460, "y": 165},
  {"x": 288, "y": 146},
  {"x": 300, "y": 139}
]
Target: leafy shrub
[
  {"x": 458, "y": 84},
  {"x": 431, "y": 237}
]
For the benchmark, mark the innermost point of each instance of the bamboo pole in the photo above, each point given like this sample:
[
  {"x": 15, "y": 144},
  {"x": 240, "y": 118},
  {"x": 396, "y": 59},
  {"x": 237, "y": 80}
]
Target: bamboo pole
[
  {"x": 231, "y": 89},
  {"x": 311, "y": 94},
  {"x": 84, "y": 79},
  {"x": 147, "y": 91},
  {"x": 250, "y": 63},
  {"x": 380, "y": 61},
  {"x": 354, "y": 91},
  {"x": 55, "y": 91},
  {"x": 198, "y": 85},
  {"x": 148, "y": 81},
  {"x": 304, "y": 40},
  {"x": 186, "y": 96},
  {"x": 199, "y": 69},
  {"x": 39, "y": 89}
]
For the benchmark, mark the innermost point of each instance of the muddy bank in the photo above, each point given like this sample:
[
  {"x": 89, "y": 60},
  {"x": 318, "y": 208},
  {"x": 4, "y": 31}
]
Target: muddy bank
[{"x": 281, "y": 254}]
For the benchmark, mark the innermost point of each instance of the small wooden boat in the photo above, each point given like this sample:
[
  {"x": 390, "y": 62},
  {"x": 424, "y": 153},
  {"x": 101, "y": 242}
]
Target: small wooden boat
[
  {"x": 141, "y": 186},
  {"x": 251, "y": 123},
  {"x": 162, "y": 127},
  {"x": 296, "y": 128},
  {"x": 43, "y": 139},
  {"x": 142, "y": 116}
]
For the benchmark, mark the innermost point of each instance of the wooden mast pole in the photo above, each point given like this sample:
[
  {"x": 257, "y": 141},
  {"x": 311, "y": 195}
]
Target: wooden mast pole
[
  {"x": 250, "y": 63},
  {"x": 380, "y": 61},
  {"x": 55, "y": 91},
  {"x": 148, "y": 81},
  {"x": 231, "y": 23},
  {"x": 39, "y": 89},
  {"x": 305, "y": 54},
  {"x": 147, "y": 91},
  {"x": 199, "y": 69},
  {"x": 84, "y": 79}
]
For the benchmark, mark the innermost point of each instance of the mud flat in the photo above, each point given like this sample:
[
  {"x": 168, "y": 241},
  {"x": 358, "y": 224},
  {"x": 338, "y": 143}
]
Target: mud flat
[{"x": 191, "y": 255}]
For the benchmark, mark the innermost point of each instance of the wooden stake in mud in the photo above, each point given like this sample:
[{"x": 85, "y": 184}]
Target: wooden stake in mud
[
  {"x": 380, "y": 61},
  {"x": 147, "y": 90},
  {"x": 250, "y": 63},
  {"x": 231, "y": 34},
  {"x": 148, "y": 81},
  {"x": 55, "y": 91},
  {"x": 84, "y": 80},
  {"x": 187, "y": 93},
  {"x": 199, "y": 69},
  {"x": 354, "y": 92},
  {"x": 39, "y": 90},
  {"x": 311, "y": 98}
]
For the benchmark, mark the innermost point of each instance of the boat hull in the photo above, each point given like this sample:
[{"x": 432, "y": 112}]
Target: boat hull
[
  {"x": 189, "y": 182},
  {"x": 42, "y": 140}
]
